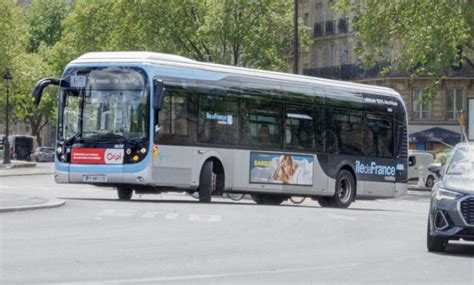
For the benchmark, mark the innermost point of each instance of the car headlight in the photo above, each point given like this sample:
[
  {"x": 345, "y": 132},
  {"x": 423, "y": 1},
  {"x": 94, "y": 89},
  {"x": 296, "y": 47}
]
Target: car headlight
[{"x": 444, "y": 194}]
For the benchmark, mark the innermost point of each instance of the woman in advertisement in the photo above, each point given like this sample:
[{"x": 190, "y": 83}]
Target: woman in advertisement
[{"x": 288, "y": 172}]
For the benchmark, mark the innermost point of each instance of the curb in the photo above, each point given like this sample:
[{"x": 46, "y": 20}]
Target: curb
[
  {"x": 50, "y": 204},
  {"x": 24, "y": 174}
]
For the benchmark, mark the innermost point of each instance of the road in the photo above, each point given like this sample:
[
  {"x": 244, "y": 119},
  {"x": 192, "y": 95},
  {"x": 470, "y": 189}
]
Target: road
[{"x": 172, "y": 239}]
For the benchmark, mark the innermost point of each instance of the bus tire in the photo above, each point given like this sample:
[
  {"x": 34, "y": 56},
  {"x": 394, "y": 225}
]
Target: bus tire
[
  {"x": 207, "y": 182},
  {"x": 262, "y": 199},
  {"x": 124, "y": 193},
  {"x": 345, "y": 190}
]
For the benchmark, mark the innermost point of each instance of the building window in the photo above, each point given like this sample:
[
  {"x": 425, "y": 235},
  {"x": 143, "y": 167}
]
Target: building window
[
  {"x": 332, "y": 51},
  {"x": 455, "y": 103},
  {"x": 344, "y": 54},
  {"x": 319, "y": 57},
  {"x": 421, "y": 110}
]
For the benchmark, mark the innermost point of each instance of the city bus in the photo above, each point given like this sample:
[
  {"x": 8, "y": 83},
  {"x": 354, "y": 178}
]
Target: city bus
[{"x": 144, "y": 122}]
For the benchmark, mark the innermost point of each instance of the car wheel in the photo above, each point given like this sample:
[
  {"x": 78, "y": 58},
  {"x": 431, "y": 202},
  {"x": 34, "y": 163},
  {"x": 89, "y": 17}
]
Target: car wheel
[
  {"x": 207, "y": 182},
  {"x": 345, "y": 190},
  {"x": 262, "y": 199},
  {"x": 434, "y": 243},
  {"x": 429, "y": 182},
  {"x": 124, "y": 193}
]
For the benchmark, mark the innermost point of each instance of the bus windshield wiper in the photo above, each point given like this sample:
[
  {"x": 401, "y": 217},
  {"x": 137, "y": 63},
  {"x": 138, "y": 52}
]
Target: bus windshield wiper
[
  {"x": 108, "y": 137},
  {"x": 72, "y": 139}
]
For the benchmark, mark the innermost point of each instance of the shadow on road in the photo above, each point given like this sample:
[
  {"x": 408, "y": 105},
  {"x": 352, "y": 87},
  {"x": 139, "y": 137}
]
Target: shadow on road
[{"x": 216, "y": 203}]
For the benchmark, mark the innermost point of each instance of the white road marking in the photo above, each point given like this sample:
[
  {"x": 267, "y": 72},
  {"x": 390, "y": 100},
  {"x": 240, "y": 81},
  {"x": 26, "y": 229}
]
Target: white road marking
[
  {"x": 171, "y": 216},
  {"x": 220, "y": 275},
  {"x": 117, "y": 213},
  {"x": 150, "y": 215},
  {"x": 204, "y": 218},
  {"x": 339, "y": 217}
]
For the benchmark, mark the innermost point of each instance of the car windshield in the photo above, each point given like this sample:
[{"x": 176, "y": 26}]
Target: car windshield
[{"x": 462, "y": 162}]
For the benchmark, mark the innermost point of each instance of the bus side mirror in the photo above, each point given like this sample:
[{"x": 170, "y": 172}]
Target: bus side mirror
[
  {"x": 40, "y": 85},
  {"x": 158, "y": 95}
]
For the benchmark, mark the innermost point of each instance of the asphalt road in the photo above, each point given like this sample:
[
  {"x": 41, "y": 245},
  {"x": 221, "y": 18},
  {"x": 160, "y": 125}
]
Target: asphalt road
[{"x": 172, "y": 239}]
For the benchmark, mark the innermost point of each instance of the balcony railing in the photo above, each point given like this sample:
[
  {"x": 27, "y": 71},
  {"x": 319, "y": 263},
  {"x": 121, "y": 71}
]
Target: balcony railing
[{"x": 356, "y": 72}]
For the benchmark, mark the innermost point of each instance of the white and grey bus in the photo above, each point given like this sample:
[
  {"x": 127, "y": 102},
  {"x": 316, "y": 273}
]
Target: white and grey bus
[{"x": 148, "y": 122}]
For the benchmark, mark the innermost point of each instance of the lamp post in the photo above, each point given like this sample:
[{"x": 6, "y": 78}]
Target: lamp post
[{"x": 6, "y": 145}]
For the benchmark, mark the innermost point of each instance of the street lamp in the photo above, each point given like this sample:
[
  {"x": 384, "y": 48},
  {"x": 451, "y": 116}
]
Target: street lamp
[{"x": 8, "y": 79}]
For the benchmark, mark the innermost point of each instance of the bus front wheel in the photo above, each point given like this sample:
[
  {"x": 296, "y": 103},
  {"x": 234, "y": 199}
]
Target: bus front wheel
[
  {"x": 124, "y": 193},
  {"x": 345, "y": 190},
  {"x": 207, "y": 182}
]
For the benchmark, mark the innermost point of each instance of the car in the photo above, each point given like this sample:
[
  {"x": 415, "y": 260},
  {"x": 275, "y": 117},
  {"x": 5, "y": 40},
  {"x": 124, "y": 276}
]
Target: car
[
  {"x": 451, "y": 213},
  {"x": 43, "y": 154},
  {"x": 418, "y": 163}
]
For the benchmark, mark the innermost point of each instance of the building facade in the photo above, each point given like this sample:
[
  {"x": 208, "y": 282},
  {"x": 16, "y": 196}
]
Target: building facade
[{"x": 432, "y": 126}]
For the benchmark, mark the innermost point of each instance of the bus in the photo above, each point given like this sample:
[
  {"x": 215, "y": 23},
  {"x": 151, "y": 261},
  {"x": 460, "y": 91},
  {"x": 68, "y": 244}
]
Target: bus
[{"x": 144, "y": 122}]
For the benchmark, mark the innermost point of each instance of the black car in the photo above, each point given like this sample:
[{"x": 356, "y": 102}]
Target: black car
[{"x": 451, "y": 214}]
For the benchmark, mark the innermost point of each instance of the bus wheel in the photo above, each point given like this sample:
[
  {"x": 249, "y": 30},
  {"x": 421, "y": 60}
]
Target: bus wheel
[
  {"x": 207, "y": 182},
  {"x": 345, "y": 190},
  {"x": 124, "y": 193},
  {"x": 262, "y": 199}
]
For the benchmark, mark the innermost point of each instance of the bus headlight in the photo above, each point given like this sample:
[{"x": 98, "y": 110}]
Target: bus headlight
[{"x": 444, "y": 194}]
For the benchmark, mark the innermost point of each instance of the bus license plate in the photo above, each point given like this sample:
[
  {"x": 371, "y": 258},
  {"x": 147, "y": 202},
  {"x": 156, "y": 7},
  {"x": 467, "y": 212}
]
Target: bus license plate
[{"x": 94, "y": 178}]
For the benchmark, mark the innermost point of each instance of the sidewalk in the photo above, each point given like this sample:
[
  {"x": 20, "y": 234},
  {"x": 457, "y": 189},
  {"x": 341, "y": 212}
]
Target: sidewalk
[
  {"x": 13, "y": 202},
  {"x": 20, "y": 168}
]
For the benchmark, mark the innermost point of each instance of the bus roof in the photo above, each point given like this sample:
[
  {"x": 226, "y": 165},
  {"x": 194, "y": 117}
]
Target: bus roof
[{"x": 154, "y": 58}]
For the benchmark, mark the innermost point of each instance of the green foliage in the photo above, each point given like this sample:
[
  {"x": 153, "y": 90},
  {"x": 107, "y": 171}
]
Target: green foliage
[
  {"x": 13, "y": 33},
  {"x": 44, "y": 22},
  {"x": 26, "y": 70},
  {"x": 442, "y": 157},
  {"x": 238, "y": 32},
  {"x": 424, "y": 38}
]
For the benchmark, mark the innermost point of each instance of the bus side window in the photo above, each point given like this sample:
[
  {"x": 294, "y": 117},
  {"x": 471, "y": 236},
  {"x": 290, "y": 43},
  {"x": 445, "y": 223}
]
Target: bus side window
[
  {"x": 299, "y": 128},
  {"x": 261, "y": 124},
  {"x": 378, "y": 137},
  {"x": 219, "y": 120},
  {"x": 345, "y": 132},
  {"x": 177, "y": 119}
]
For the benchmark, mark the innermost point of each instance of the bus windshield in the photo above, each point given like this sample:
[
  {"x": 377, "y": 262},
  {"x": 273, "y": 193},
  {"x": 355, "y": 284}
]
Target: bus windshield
[{"x": 104, "y": 105}]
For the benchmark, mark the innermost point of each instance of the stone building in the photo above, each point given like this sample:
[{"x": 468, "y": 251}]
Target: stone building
[{"x": 331, "y": 55}]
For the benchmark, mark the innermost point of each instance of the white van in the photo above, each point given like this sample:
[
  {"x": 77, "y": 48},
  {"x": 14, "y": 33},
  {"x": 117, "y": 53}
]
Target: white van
[{"x": 418, "y": 173}]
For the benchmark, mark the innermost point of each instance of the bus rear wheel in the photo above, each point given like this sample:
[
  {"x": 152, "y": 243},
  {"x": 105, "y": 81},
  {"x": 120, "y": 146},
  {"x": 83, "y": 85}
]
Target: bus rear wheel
[
  {"x": 207, "y": 182},
  {"x": 345, "y": 190},
  {"x": 262, "y": 199},
  {"x": 124, "y": 193}
]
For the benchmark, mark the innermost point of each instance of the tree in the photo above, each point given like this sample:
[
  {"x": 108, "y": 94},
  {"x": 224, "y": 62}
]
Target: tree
[
  {"x": 27, "y": 69},
  {"x": 44, "y": 22},
  {"x": 13, "y": 38},
  {"x": 238, "y": 32},
  {"x": 424, "y": 38}
]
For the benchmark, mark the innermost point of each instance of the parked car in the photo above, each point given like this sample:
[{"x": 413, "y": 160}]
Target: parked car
[
  {"x": 451, "y": 215},
  {"x": 43, "y": 154},
  {"x": 418, "y": 163}
]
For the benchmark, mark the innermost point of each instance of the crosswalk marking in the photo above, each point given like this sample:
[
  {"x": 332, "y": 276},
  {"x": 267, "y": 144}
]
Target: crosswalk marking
[{"x": 157, "y": 215}]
